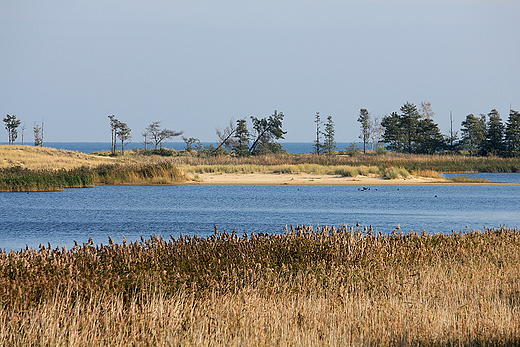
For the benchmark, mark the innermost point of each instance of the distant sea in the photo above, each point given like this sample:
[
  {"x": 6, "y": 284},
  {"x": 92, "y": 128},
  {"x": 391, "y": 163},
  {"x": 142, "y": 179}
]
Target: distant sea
[{"x": 89, "y": 147}]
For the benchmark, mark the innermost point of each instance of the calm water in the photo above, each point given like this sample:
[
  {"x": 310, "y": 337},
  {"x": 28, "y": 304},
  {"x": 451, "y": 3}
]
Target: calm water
[{"x": 134, "y": 211}]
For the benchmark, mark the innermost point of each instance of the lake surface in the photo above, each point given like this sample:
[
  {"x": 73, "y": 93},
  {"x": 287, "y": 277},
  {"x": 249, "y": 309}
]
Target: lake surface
[{"x": 134, "y": 211}]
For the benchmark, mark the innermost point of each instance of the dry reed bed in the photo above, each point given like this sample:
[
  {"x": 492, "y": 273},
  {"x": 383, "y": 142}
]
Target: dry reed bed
[
  {"x": 411, "y": 162},
  {"x": 17, "y": 179},
  {"x": 308, "y": 287}
]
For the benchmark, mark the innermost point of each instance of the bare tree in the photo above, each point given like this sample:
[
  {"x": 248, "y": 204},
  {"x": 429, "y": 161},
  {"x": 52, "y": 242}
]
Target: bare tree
[
  {"x": 376, "y": 132},
  {"x": 158, "y": 135},
  {"x": 23, "y": 132},
  {"x": 317, "y": 143},
  {"x": 146, "y": 141},
  {"x": 225, "y": 136},
  {"x": 426, "y": 110}
]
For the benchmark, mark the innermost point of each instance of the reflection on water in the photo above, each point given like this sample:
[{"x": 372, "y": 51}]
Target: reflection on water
[{"x": 134, "y": 211}]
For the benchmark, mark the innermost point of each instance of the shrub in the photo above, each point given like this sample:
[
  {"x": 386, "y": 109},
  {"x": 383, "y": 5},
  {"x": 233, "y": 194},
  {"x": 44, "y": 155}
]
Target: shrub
[{"x": 393, "y": 172}]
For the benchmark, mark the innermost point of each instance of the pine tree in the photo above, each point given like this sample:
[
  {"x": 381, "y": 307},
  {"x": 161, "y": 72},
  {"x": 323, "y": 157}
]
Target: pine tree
[
  {"x": 268, "y": 130},
  {"x": 393, "y": 134},
  {"x": 494, "y": 143},
  {"x": 329, "y": 144},
  {"x": 11, "y": 125},
  {"x": 123, "y": 134},
  {"x": 241, "y": 138},
  {"x": 409, "y": 120},
  {"x": 512, "y": 134},
  {"x": 474, "y": 134},
  {"x": 429, "y": 138},
  {"x": 364, "y": 119}
]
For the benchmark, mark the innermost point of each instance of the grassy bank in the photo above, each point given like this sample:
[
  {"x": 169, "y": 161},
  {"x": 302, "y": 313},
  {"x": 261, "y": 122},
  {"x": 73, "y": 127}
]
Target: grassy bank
[
  {"x": 50, "y": 169},
  {"x": 308, "y": 287},
  {"x": 410, "y": 162},
  {"x": 37, "y": 158},
  {"x": 17, "y": 179}
]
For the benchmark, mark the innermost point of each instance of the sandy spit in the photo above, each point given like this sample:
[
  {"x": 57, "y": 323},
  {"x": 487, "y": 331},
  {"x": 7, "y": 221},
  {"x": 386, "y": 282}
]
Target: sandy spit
[{"x": 309, "y": 179}]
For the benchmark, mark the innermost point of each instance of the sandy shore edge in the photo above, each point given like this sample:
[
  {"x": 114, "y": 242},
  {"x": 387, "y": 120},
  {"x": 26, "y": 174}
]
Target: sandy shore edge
[{"x": 310, "y": 179}]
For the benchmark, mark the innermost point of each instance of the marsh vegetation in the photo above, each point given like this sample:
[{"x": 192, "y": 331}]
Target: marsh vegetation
[
  {"x": 26, "y": 168},
  {"x": 309, "y": 286}
]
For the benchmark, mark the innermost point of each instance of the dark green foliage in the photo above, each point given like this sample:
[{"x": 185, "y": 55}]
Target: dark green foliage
[
  {"x": 123, "y": 134},
  {"x": 393, "y": 134},
  {"x": 268, "y": 130},
  {"x": 364, "y": 119},
  {"x": 474, "y": 134},
  {"x": 429, "y": 137},
  {"x": 163, "y": 152},
  {"x": 494, "y": 144},
  {"x": 241, "y": 139},
  {"x": 329, "y": 144},
  {"x": 512, "y": 134},
  {"x": 409, "y": 121},
  {"x": 408, "y": 132},
  {"x": 11, "y": 125}
]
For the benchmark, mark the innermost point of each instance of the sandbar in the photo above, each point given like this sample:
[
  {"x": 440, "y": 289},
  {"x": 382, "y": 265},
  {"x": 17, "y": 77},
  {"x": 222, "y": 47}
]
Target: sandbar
[{"x": 307, "y": 179}]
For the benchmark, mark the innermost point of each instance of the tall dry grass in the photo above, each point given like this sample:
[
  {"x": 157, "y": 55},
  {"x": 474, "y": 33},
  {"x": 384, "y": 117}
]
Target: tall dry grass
[
  {"x": 310, "y": 287},
  {"x": 43, "y": 158},
  {"x": 411, "y": 162}
]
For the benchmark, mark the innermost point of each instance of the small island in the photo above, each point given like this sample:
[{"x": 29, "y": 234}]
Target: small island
[{"x": 28, "y": 168}]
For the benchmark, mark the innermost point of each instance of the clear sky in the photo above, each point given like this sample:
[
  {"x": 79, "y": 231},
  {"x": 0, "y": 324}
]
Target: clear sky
[{"x": 195, "y": 64}]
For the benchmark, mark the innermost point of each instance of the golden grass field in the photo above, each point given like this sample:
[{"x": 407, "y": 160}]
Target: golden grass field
[
  {"x": 43, "y": 158},
  {"x": 309, "y": 287}
]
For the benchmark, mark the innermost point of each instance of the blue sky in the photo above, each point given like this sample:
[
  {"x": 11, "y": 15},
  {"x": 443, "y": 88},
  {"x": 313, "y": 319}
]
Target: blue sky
[{"x": 196, "y": 64}]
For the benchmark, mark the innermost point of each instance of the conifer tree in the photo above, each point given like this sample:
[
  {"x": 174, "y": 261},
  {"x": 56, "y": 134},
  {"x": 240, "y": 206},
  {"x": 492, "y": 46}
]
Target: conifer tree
[
  {"x": 512, "y": 134},
  {"x": 241, "y": 138},
  {"x": 11, "y": 125},
  {"x": 364, "y": 119},
  {"x": 268, "y": 130},
  {"x": 329, "y": 143},
  {"x": 474, "y": 134},
  {"x": 494, "y": 143}
]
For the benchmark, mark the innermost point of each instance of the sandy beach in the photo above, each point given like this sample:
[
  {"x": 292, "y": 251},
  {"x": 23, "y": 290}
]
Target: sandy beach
[{"x": 307, "y": 179}]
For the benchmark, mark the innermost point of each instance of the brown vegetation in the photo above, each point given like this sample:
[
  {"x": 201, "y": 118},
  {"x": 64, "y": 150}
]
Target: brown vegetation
[
  {"x": 44, "y": 158},
  {"x": 308, "y": 287}
]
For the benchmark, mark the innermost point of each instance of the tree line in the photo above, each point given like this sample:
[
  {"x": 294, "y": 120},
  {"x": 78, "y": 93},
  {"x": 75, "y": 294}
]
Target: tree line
[
  {"x": 409, "y": 130},
  {"x": 412, "y": 130},
  {"x": 236, "y": 138}
]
